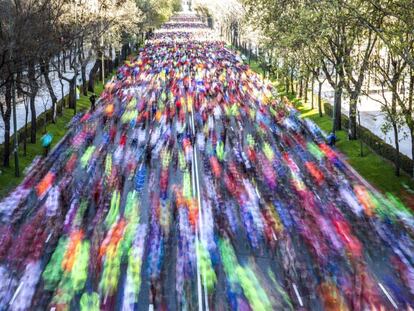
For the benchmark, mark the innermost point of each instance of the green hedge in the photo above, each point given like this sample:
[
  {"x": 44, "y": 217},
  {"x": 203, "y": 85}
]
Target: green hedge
[{"x": 375, "y": 143}]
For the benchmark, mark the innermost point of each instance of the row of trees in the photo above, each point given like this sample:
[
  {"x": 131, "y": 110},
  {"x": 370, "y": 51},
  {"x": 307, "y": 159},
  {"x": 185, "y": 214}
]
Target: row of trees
[
  {"x": 357, "y": 46},
  {"x": 228, "y": 16},
  {"x": 41, "y": 38}
]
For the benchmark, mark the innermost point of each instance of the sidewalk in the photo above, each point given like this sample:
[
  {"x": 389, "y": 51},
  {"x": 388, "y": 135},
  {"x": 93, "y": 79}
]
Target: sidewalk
[
  {"x": 372, "y": 117},
  {"x": 43, "y": 99}
]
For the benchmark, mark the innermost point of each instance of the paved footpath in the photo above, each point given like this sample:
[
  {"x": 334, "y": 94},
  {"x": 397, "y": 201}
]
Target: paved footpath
[
  {"x": 43, "y": 101},
  {"x": 372, "y": 117}
]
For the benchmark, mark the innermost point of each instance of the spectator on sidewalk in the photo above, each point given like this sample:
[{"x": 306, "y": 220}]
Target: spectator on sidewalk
[
  {"x": 46, "y": 141},
  {"x": 331, "y": 139},
  {"x": 77, "y": 93},
  {"x": 92, "y": 99}
]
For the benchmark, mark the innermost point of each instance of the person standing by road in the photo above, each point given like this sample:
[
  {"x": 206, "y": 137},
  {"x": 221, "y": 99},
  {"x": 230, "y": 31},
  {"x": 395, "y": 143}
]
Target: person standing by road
[
  {"x": 77, "y": 93},
  {"x": 46, "y": 141},
  {"x": 92, "y": 99},
  {"x": 331, "y": 139}
]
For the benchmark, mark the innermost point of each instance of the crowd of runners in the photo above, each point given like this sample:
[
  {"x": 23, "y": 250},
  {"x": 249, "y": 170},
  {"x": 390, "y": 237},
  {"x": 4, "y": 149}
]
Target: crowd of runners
[
  {"x": 185, "y": 25},
  {"x": 191, "y": 186}
]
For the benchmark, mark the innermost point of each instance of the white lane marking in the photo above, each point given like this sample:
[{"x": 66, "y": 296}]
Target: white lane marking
[
  {"x": 16, "y": 293},
  {"x": 192, "y": 123},
  {"x": 258, "y": 194},
  {"x": 388, "y": 296},
  {"x": 297, "y": 295},
  {"x": 193, "y": 176},
  {"x": 48, "y": 237},
  {"x": 200, "y": 219},
  {"x": 199, "y": 290}
]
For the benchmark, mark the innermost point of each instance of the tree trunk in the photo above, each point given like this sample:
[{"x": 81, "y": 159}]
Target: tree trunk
[
  {"x": 300, "y": 87},
  {"x": 58, "y": 61},
  {"x": 394, "y": 84},
  {"x": 26, "y": 118},
  {"x": 412, "y": 149},
  {"x": 336, "y": 124},
  {"x": 64, "y": 61},
  {"x": 62, "y": 94},
  {"x": 397, "y": 149},
  {"x": 116, "y": 63},
  {"x": 305, "y": 89},
  {"x": 33, "y": 120},
  {"x": 19, "y": 90},
  {"x": 250, "y": 54},
  {"x": 33, "y": 92},
  {"x": 320, "y": 98},
  {"x": 82, "y": 50},
  {"x": 72, "y": 94},
  {"x": 6, "y": 114},
  {"x": 352, "y": 130},
  {"x": 110, "y": 60},
  {"x": 411, "y": 117},
  {"x": 44, "y": 68},
  {"x": 312, "y": 97},
  {"x": 287, "y": 84},
  {"x": 45, "y": 121},
  {"x": 124, "y": 52},
  {"x": 70, "y": 61},
  {"x": 84, "y": 82},
  {"x": 291, "y": 81},
  {"x": 93, "y": 72},
  {"x": 111, "y": 65},
  {"x": 107, "y": 66}
]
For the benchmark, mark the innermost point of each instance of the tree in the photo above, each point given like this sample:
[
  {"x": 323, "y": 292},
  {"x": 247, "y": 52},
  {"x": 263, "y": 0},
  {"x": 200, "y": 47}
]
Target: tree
[
  {"x": 389, "y": 72},
  {"x": 336, "y": 31},
  {"x": 227, "y": 16},
  {"x": 45, "y": 70},
  {"x": 118, "y": 25},
  {"x": 24, "y": 36},
  {"x": 156, "y": 12},
  {"x": 322, "y": 27},
  {"x": 5, "y": 110},
  {"x": 357, "y": 62},
  {"x": 334, "y": 34},
  {"x": 397, "y": 39}
]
